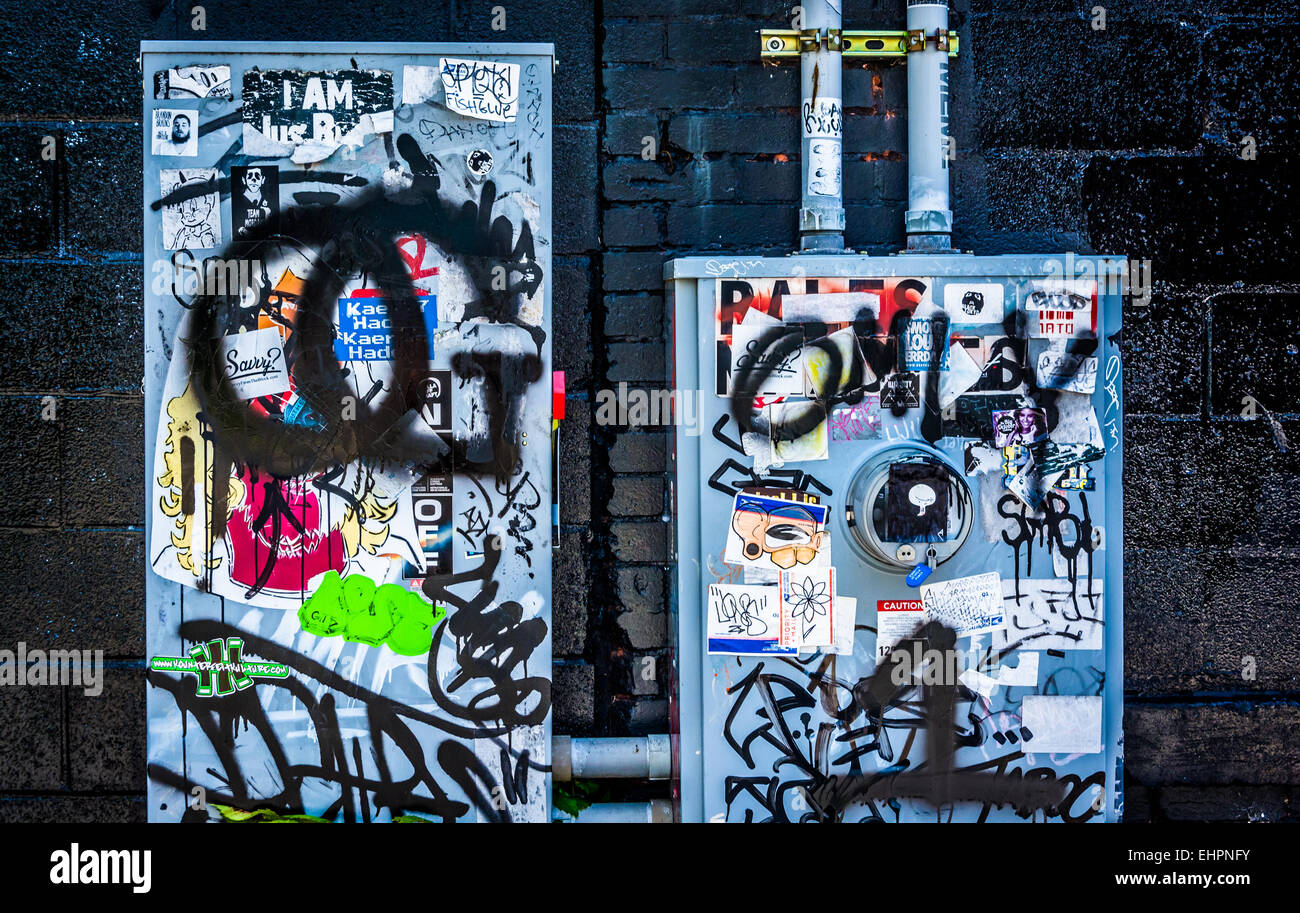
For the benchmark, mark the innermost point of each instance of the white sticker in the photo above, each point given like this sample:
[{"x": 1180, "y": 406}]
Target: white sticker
[
  {"x": 1023, "y": 675},
  {"x": 974, "y": 304},
  {"x": 968, "y": 605},
  {"x": 1054, "y": 614},
  {"x": 781, "y": 377},
  {"x": 807, "y": 607},
  {"x": 1061, "y": 370},
  {"x": 824, "y": 167},
  {"x": 174, "y": 132},
  {"x": 254, "y": 363},
  {"x": 1062, "y": 724},
  {"x": 193, "y": 222},
  {"x": 846, "y": 622},
  {"x": 485, "y": 89},
  {"x": 744, "y": 620},
  {"x": 895, "y": 620},
  {"x": 823, "y": 118}
]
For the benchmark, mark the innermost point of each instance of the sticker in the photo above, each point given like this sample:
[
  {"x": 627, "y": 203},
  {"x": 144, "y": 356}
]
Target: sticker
[
  {"x": 365, "y": 332},
  {"x": 431, "y": 504},
  {"x": 192, "y": 82},
  {"x": 254, "y": 363},
  {"x": 174, "y": 132},
  {"x": 1022, "y": 675},
  {"x": 812, "y": 445},
  {"x": 823, "y": 118},
  {"x": 999, "y": 361},
  {"x": 1052, "y": 457},
  {"x": 1062, "y": 724},
  {"x": 309, "y": 115},
  {"x": 781, "y": 376},
  {"x": 844, "y": 625},
  {"x": 896, "y": 619},
  {"x": 1062, "y": 370},
  {"x": 974, "y": 304},
  {"x": 968, "y": 605},
  {"x": 420, "y": 84},
  {"x": 479, "y": 163},
  {"x": 193, "y": 222},
  {"x": 824, "y": 167},
  {"x": 856, "y": 422},
  {"x": 924, "y": 349},
  {"x": 745, "y": 620},
  {"x": 901, "y": 390},
  {"x": 777, "y": 533},
  {"x": 485, "y": 89},
  {"x": 1018, "y": 426},
  {"x": 807, "y": 607},
  {"x": 1061, "y": 309},
  {"x": 1053, "y": 614},
  {"x": 1031, "y": 485},
  {"x": 916, "y": 503},
  {"x": 254, "y": 199}
]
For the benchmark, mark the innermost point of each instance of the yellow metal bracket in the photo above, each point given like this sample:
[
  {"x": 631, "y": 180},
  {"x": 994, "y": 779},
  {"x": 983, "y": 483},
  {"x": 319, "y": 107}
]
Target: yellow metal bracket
[{"x": 785, "y": 43}]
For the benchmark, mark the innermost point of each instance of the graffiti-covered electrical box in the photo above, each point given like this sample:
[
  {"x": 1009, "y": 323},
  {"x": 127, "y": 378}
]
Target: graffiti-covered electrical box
[
  {"x": 897, "y": 523},
  {"x": 348, "y": 463}
]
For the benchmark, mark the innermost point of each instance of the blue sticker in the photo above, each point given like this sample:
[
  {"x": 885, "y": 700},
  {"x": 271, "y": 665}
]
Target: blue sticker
[
  {"x": 916, "y": 576},
  {"x": 365, "y": 331}
]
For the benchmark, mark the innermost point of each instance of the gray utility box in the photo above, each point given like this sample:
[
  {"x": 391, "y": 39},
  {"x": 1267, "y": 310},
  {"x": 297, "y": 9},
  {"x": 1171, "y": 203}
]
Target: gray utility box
[
  {"x": 348, "y": 457},
  {"x": 898, "y": 533}
]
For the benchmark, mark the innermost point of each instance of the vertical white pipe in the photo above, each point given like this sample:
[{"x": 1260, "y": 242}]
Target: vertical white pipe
[
  {"x": 821, "y": 216},
  {"x": 929, "y": 212}
]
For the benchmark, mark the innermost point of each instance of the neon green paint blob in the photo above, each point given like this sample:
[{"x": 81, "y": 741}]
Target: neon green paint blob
[
  {"x": 324, "y": 614},
  {"x": 364, "y": 613}
]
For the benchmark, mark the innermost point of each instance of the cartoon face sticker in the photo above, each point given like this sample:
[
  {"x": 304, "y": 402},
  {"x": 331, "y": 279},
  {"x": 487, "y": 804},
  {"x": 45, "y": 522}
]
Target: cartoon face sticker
[{"x": 788, "y": 533}]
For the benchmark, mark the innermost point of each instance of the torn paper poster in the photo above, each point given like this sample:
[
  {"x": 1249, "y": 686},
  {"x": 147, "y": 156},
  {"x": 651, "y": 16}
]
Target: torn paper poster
[
  {"x": 857, "y": 421},
  {"x": 192, "y": 222},
  {"x": 822, "y": 118},
  {"x": 254, "y": 199},
  {"x": 1076, "y": 421},
  {"x": 420, "y": 84},
  {"x": 824, "y": 167},
  {"x": 968, "y": 605},
  {"x": 981, "y": 458},
  {"x": 1062, "y": 370},
  {"x": 745, "y": 620},
  {"x": 895, "y": 620},
  {"x": 192, "y": 82},
  {"x": 974, "y": 303},
  {"x": 1031, "y": 485},
  {"x": 757, "y": 576},
  {"x": 807, "y": 608},
  {"x": 1053, "y": 614},
  {"x": 835, "y": 362},
  {"x": 1051, "y": 457},
  {"x": 1060, "y": 308},
  {"x": 775, "y": 533},
  {"x": 759, "y": 446},
  {"x": 999, "y": 360},
  {"x": 987, "y": 682},
  {"x": 174, "y": 131},
  {"x": 1062, "y": 724},
  {"x": 485, "y": 89},
  {"x": 787, "y": 419},
  {"x": 254, "y": 363},
  {"x": 309, "y": 115},
  {"x": 844, "y": 625},
  {"x": 764, "y": 355}
]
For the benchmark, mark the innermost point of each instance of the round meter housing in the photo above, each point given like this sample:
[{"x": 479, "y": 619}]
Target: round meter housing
[{"x": 906, "y": 505}]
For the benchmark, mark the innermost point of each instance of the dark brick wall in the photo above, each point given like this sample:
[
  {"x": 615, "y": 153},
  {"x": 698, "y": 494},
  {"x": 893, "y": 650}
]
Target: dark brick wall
[{"x": 1118, "y": 141}]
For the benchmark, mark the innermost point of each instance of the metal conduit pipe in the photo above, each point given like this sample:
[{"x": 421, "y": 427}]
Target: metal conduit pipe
[
  {"x": 656, "y": 811},
  {"x": 821, "y": 215},
  {"x": 929, "y": 141},
  {"x": 643, "y": 758}
]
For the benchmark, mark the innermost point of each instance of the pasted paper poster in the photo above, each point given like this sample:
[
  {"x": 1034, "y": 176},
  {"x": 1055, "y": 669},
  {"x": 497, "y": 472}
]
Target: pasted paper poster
[
  {"x": 745, "y": 620},
  {"x": 968, "y": 605},
  {"x": 308, "y": 115},
  {"x": 485, "y": 89}
]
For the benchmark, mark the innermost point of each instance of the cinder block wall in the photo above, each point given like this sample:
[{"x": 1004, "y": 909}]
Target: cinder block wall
[{"x": 1123, "y": 140}]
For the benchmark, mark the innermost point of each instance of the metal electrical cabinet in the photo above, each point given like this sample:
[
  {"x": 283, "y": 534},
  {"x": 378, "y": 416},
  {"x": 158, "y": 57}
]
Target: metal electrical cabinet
[
  {"x": 971, "y": 424},
  {"x": 349, "y": 430}
]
